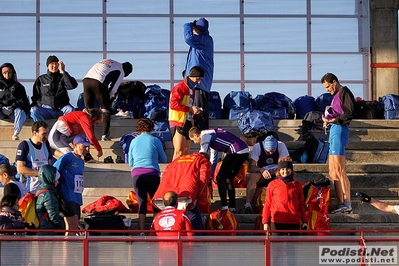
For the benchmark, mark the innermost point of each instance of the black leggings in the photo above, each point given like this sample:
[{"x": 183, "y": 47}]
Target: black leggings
[
  {"x": 230, "y": 167},
  {"x": 146, "y": 184},
  {"x": 92, "y": 89},
  {"x": 288, "y": 227},
  {"x": 201, "y": 99}
]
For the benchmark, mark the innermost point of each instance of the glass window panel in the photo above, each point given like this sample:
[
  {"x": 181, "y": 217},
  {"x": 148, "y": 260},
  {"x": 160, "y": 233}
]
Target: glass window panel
[
  {"x": 344, "y": 66},
  {"x": 24, "y": 64},
  {"x": 124, "y": 34},
  {"x": 71, "y": 6},
  {"x": 180, "y": 65},
  {"x": 268, "y": 34},
  {"x": 275, "y": 67},
  {"x": 138, "y": 6},
  {"x": 206, "y": 7},
  {"x": 74, "y": 94},
  {"x": 275, "y": 7},
  {"x": 341, "y": 7},
  {"x": 71, "y": 34},
  {"x": 335, "y": 35},
  {"x": 28, "y": 88},
  {"x": 18, "y": 6},
  {"x": 291, "y": 90},
  {"x": 357, "y": 89},
  {"x": 21, "y": 32},
  {"x": 227, "y": 67},
  {"x": 224, "y": 31}
]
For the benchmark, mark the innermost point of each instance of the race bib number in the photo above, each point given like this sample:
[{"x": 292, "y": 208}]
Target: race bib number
[
  {"x": 79, "y": 184},
  {"x": 37, "y": 165}
]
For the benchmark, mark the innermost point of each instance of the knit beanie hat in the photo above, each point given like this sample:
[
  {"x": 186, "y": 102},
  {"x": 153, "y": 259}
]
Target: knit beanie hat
[
  {"x": 270, "y": 143},
  {"x": 201, "y": 24},
  {"x": 51, "y": 59},
  {"x": 285, "y": 164},
  {"x": 196, "y": 72}
]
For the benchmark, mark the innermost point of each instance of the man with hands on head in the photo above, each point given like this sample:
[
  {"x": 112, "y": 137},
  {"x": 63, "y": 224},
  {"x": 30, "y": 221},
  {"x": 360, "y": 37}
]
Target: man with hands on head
[{"x": 50, "y": 97}]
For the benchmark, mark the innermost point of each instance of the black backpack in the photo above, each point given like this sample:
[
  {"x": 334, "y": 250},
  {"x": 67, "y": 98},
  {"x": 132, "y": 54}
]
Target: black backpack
[
  {"x": 131, "y": 89},
  {"x": 316, "y": 150},
  {"x": 312, "y": 124}
]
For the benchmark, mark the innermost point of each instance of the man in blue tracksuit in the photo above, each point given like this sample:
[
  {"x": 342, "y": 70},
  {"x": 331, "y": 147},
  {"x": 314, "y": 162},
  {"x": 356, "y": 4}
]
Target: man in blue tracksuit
[{"x": 196, "y": 35}]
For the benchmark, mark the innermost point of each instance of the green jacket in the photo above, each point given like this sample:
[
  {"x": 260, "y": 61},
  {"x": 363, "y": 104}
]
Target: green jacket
[{"x": 47, "y": 202}]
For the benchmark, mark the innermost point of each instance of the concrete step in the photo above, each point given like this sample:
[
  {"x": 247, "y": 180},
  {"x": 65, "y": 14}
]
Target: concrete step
[
  {"x": 362, "y": 175},
  {"x": 288, "y": 130},
  {"x": 368, "y": 151}
]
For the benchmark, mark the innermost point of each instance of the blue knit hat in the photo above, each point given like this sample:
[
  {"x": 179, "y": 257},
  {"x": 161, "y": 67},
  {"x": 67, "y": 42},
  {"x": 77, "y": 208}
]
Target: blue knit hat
[
  {"x": 270, "y": 143},
  {"x": 201, "y": 24}
]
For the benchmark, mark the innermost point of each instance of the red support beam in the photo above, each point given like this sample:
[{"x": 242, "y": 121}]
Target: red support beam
[{"x": 384, "y": 65}]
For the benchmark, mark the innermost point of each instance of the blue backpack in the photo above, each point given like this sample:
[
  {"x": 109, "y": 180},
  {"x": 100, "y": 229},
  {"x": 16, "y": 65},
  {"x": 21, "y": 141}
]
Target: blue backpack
[
  {"x": 237, "y": 103},
  {"x": 322, "y": 101},
  {"x": 279, "y": 105},
  {"x": 303, "y": 105},
  {"x": 391, "y": 106},
  {"x": 255, "y": 121},
  {"x": 237, "y": 99},
  {"x": 155, "y": 104},
  {"x": 127, "y": 139},
  {"x": 316, "y": 150},
  {"x": 215, "y": 105},
  {"x": 80, "y": 104}
]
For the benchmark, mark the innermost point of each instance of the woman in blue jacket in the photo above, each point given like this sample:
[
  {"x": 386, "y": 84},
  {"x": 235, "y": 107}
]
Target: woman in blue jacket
[{"x": 145, "y": 153}]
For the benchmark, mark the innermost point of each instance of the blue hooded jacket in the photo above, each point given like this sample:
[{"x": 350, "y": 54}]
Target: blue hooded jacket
[{"x": 200, "y": 52}]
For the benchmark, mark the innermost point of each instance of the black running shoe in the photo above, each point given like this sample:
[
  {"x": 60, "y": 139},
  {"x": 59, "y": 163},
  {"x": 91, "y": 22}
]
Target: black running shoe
[{"x": 108, "y": 159}]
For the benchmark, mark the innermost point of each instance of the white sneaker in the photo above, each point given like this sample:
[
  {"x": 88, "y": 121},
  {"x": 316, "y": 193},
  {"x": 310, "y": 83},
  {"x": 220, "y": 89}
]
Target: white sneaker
[
  {"x": 15, "y": 137},
  {"x": 105, "y": 138},
  {"x": 121, "y": 113}
]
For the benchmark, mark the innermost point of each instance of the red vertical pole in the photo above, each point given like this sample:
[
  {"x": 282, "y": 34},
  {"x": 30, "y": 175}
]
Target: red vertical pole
[
  {"x": 179, "y": 250},
  {"x": 267, "y": 249},
  {"x": 86, "y": 250}
]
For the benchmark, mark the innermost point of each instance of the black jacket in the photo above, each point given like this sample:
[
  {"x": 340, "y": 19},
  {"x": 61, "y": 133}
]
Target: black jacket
[
  {"x": 13, "y": 93},
  {"x": 52, "y": 89}
]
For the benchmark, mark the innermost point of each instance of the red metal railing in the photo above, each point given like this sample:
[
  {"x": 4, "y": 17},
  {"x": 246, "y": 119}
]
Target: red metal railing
[{"x": 359, "y": 237}]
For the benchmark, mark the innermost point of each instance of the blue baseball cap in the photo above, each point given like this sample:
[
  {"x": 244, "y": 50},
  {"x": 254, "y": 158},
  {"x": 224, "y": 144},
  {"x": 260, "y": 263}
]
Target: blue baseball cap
[{"x": 81, "y": 139}]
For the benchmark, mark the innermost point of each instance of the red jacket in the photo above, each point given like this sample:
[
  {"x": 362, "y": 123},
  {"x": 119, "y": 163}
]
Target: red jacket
[
  {"x": 284, "y": 203},
  {"x": 188, "y": 176},
  {"x": 172, "y": 219},
  {"x": 79, "y": 122},
  {"x": 179, "y": 103}
]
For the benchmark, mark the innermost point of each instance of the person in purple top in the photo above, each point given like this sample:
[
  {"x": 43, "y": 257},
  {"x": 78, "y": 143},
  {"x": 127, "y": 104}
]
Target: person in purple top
[
  {"x": 236, "y": 153},
  {"x": 339, "y": 115}
]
